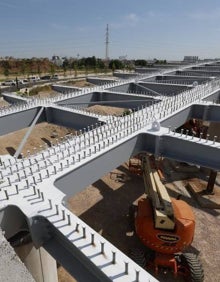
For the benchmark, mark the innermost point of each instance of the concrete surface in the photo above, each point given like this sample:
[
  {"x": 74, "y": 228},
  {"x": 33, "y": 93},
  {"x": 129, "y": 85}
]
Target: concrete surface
[
  {"x": 41, "y": 265},
  {"x": 11, "y": 268}
]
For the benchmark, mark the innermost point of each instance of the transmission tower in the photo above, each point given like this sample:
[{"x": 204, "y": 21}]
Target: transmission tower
[{"x": 107, "y": 44}]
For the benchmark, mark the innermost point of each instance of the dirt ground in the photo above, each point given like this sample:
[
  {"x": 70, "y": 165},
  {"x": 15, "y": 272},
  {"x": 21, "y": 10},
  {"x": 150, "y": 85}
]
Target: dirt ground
[
  {"x": 44, "y": 134},
  {"x": 105, "y": 110},
  {"x": 3, "y": 103},
  {"x": 79, "y": 83},
  {"x": 46, "y": 94}
]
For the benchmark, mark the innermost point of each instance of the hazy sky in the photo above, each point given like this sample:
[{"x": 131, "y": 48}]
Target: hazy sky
[{"x": 165, "y": 29}]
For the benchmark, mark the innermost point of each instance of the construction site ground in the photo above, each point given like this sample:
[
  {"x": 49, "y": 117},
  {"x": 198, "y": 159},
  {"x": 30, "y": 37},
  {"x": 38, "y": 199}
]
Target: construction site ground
[{"x": 104, "y": 204}]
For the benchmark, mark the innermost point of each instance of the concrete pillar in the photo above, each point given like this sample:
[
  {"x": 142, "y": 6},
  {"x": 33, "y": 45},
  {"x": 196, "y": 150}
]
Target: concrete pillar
[
  {"x": 40, "y": 264},
  {"x": 211, "y": 182}
]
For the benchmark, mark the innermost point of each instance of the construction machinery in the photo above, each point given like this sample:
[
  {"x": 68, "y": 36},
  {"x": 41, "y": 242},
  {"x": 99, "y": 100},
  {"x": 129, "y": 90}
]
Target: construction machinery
[{"x": 165, "y": 227}]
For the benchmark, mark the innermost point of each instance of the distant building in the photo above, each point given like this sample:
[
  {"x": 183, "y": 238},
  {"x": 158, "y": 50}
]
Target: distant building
[
  {"x": 57, "y": 60},
  {"x": 191, "y": 59}
]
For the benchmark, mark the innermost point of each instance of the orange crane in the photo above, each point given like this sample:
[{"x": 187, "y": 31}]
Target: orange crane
[{"x": 165, "y": 226}]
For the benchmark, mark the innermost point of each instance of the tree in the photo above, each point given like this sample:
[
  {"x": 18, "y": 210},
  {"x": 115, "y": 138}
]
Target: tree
[
  {"x": 100, "y": 64},
  {"x": 65, "y": 66},
  {"x": 117, "y": 64},
  {"x": 90, "y": 62},
  {"x": 23, "y": 67},
  {"x": 29, "y": 64},
  {"x": 75, "y": 69},
  {"x": 38, "y": 67},
  {"x": 140, "y": 63},
  {"x": 52, "y": 69},
  {"x": 113, "y": 67},
  {"x": 6, "y": 67},
  {"x": 86, "y": 70},
  {"x": 6, "y": 72}
]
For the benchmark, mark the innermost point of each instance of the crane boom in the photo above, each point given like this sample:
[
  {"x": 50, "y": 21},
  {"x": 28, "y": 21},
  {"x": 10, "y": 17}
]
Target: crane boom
[{"x": 157, "y": 193}]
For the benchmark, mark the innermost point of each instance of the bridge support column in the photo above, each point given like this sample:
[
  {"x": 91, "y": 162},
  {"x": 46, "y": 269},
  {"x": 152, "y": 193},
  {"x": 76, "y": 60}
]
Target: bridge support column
[
  {"x": 211, "y": 182},
  {"x": 40, "y": 264}
]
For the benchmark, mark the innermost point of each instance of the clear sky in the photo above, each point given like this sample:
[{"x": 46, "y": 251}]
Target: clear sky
[{"x": 162, "y": 29}]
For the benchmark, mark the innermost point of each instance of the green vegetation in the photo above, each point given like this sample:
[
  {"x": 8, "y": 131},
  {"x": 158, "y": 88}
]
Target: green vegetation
[
  {"x": 116, "y": 64},
  {"x": 6, "y": 67},
  {"x": 127, "y": 112},
  {"x": 141, "y": 63},
  {"x": 12, "y": 67},
  {"x": 160, "y": 62}
]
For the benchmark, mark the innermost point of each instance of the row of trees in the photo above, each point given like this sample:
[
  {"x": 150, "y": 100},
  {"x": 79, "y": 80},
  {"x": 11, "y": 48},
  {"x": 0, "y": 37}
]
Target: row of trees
[
  {"x": 145, "y": 63},
  {"x": 26, "y": 67},
  {"x": 96, "y": 64},
  {"x": 38, "y": 66}
]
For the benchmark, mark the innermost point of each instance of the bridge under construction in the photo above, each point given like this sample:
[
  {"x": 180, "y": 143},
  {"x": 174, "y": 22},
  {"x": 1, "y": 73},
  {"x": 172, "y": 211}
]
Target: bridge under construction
[{"x": 33, "y": 188}]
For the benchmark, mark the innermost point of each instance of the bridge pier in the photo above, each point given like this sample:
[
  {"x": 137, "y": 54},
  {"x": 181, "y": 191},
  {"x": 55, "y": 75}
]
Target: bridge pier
[
  {"x": 211, "y": 182},
  {"x": 39, "y": 262}
]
